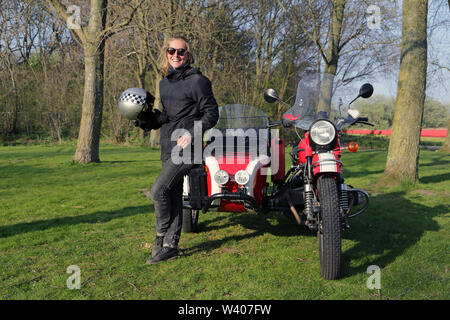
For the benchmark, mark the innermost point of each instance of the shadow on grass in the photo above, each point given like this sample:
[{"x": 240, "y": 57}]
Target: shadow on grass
[
  {"x": 285, "y": 227},
  {"x": 435, "y": 178},
  {"x": 435, "y": 162},
  {"x": 128, "y": 161},
  {"x": 96, "y": 217},
  {"x": 391, "y": 225}
]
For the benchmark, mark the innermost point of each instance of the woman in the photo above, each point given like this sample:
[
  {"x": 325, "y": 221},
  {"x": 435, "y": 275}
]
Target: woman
[{"x": 186, "y": 96}]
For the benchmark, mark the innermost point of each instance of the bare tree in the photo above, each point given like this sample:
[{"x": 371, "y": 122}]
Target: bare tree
[
  {"x": 92, "y": 37},
  {"x": 345, "y": 45}
]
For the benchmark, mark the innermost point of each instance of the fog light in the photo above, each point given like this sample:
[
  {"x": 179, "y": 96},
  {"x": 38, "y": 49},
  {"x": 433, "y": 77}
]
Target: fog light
[
  {"x": 221, "y": 177},
  {"x": 242, "y": 177}
]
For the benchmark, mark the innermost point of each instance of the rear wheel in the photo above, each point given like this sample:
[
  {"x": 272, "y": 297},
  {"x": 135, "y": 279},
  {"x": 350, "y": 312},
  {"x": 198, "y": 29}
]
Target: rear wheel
[
  {"x": 190, "y": 220},
  {"x": 329, "y": 233}
]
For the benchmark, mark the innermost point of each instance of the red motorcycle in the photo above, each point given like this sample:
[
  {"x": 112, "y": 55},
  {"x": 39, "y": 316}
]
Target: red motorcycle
[{"x": 243, "y": 149}]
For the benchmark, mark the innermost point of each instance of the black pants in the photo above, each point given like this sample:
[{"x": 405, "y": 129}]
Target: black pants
[{"x": 167, "y": 193}]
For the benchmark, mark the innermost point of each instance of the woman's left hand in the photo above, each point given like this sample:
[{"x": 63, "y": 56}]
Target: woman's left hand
[{"x": 184, "y": 140}]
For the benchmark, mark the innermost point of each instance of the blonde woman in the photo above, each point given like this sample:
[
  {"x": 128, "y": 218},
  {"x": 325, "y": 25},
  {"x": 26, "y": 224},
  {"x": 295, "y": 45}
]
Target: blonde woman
[{"x": 186, "y": 96}]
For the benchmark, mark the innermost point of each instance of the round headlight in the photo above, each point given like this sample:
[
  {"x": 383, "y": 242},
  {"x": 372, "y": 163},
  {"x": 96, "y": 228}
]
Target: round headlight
[
  {"x": 221, "y": 177},
  {"x": 242, "y": 177},
  {"x": 322, "y": 132}
]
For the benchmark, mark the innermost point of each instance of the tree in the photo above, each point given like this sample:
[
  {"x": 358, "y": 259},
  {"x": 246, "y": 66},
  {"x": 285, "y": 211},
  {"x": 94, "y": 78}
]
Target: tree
[
  {"x": 446, "y": 145},
  {"x": 403, "y": 153},
  {"x": 331, "y": 56},
  {"x": 347, "y": 48},
  {"x": 93, "y": 38}
]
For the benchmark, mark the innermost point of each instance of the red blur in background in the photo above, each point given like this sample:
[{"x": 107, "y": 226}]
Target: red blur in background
[{"x": 436, "y": 133}]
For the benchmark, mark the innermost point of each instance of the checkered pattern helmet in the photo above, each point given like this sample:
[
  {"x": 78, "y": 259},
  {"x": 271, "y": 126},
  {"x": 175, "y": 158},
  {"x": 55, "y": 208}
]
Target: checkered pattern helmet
[{"x": 132, "y": 101}]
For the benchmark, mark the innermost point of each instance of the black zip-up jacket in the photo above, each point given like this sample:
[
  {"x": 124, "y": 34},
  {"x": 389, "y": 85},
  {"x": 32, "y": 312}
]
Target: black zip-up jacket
[{"x": 186, "y": 96}]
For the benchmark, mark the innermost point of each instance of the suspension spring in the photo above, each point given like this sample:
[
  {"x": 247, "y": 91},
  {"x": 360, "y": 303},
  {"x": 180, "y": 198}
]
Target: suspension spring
[
  {"x": 343, "y": 198},
  {"x": 309, "y": 196}
]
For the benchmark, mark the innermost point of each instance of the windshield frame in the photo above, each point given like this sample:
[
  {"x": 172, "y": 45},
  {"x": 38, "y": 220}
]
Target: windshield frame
[{"x": 240, "y": 116}]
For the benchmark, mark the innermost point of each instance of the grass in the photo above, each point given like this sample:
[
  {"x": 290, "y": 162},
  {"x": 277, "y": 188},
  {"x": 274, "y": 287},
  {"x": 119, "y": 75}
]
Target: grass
[{"x": 56, "y": 213}]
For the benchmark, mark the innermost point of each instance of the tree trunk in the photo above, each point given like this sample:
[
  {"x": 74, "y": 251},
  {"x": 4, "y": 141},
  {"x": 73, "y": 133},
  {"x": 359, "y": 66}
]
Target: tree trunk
[
  {"x": 91, "y": 119},
  {"x": 403, "y": 153},
  {"x": 332, "y": 56},
  {"x": 446, "y": 145},
  {"x": 156, "y": 134},
  {"x": 12, "y": 124}
]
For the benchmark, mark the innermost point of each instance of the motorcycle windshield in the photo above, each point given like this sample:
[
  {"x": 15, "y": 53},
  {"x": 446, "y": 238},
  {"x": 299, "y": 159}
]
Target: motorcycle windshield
[
  {"x": 234, "y": 116},
  {"x": 312, "y": 91},
  {"x": 248, "y": 127}
]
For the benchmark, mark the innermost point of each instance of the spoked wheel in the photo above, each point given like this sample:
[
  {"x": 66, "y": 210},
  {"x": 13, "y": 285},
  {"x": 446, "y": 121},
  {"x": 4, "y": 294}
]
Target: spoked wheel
[
  {"x": 190, "y": 220},
  {"x": 329, "y": 233}
]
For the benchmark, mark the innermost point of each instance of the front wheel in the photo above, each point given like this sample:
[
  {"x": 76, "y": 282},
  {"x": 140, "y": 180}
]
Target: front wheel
[
  {"x": 329, "y": 233},
  {"x": 190, "y": 220}
]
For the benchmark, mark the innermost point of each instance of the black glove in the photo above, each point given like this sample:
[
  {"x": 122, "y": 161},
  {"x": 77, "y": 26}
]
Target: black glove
[{"x": 150, "y": 120}]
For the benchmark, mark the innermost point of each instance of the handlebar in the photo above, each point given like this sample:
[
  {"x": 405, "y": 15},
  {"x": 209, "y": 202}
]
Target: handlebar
[
  {"x": 367, "y": 123},
  {"x": 274, "y": 124},
  {"x": 364, "y": 120}
]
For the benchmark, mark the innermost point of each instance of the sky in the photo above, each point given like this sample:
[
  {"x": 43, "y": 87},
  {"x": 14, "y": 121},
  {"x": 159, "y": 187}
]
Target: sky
[{"x": 438, "y": 80}]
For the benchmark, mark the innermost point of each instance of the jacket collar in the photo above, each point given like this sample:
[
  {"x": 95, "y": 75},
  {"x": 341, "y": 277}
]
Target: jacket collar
[{"x": 181, "y": 72}]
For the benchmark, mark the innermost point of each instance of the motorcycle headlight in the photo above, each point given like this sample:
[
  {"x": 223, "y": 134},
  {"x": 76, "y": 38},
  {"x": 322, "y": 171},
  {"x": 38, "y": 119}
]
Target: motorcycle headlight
[
  {"x": 221, "y": 177},
  {"x": 322, "y": 132},
  {"x": 242, "y": 177}
]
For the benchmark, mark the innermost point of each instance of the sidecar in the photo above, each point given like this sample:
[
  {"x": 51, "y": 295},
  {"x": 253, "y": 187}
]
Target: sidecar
[{"x": 239, "y": 154}]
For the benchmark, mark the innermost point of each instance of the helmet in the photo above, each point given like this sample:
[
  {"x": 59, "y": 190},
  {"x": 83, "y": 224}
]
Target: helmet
[{"x": 133, "y": 101}]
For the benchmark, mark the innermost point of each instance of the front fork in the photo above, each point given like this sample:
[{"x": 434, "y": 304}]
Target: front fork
[{"x": 311, "y": 209}]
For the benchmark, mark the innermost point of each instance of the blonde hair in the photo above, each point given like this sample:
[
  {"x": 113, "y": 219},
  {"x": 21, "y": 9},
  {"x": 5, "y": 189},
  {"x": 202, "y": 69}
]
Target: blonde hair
[{"x": 164, "y": 61}]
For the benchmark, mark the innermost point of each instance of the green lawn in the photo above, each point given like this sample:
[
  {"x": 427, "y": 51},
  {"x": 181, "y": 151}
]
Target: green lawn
[{"x": 55, "y": 214}]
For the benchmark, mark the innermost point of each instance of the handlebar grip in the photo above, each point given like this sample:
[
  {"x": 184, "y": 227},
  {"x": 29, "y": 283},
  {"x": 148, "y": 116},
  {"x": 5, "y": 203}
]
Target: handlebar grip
[{"x": 367, "y": 123}]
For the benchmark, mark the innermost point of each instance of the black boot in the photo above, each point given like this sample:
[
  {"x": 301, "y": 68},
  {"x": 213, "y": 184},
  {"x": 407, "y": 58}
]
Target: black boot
[
  {"x": 158, "y": 245},
  {"x": 167, "y": 253}
]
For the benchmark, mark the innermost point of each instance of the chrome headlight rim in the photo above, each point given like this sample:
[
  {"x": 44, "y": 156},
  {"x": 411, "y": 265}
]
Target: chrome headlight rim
[
  {"x": 221, "y": 177},
  {"x": 322, "y": 141},
  {"x": 242, "y": 177}
]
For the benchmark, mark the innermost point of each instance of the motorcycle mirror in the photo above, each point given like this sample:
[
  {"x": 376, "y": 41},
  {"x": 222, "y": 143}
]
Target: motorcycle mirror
[
  {"x": 366, "y": 90},
  {"x": 271, "y": 95}
]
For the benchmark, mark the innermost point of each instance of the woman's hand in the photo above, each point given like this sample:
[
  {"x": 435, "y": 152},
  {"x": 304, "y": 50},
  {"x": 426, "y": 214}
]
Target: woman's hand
[{"x": 184, "y": 140}]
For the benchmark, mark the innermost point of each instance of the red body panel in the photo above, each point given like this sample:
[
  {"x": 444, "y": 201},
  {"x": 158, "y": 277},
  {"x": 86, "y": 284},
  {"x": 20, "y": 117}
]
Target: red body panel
[
  {"x": 305, "y": 151},
  {"x": 232, "y": 164}
]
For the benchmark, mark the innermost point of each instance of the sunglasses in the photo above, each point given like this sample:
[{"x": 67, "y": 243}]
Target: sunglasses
[{"x": 172, "y": 51}]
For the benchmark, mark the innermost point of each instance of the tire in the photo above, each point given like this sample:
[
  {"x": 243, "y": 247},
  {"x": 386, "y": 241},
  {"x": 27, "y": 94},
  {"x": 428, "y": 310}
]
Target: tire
[
  {"x": 190, "y": 220},
  {"x": 329, "y": 231}
]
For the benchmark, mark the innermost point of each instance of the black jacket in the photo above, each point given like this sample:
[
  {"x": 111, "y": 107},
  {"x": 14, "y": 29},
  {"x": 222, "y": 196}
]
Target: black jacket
[{"x": 186, "y": 96}]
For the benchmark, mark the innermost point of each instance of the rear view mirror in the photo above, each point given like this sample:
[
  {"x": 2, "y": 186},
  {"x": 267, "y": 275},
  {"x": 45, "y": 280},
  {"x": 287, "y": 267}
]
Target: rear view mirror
[
  {"x": 366, "y": 90},
  {"x": 270, "y": 95}
]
